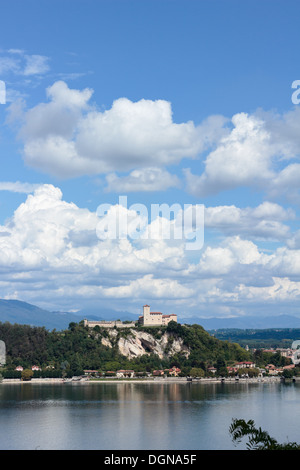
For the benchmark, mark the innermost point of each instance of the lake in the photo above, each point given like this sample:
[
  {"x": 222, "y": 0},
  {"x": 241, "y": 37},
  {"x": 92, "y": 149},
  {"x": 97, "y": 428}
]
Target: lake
[{"x": 148, "y": 416}]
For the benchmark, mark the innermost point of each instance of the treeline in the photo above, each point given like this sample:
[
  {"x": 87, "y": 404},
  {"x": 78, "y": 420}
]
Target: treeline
[
  {"x": 261, "y": 338},
  {"x": 79, "y": 348}
]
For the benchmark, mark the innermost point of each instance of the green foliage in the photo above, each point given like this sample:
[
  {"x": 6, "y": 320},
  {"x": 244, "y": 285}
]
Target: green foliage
[
  {"x": 79, "y": 348},
  {"x": 250, "y": 371},
  {"x": 288, "y": 373},
  {"x": 26, "y": 344},
  {"x": 11, "y": 374},
  {"x": 263, "y": 357},
  {"x": 197, "y": 372},
  {"x": 258, "y": 439},
  {"x": 26, "y": 374}
]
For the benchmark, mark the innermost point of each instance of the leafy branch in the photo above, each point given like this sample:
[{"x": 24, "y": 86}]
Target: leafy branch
[{"x": 258, "y": 439}]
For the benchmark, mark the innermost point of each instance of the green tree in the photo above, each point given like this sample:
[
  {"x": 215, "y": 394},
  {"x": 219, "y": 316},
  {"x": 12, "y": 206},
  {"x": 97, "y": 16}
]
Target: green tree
[
  {"x": 27, "y": 374},
  {"x": 288, "y": 373},
  {"x": 197, "y": 372},
  {"x": 258, "y": 439}
]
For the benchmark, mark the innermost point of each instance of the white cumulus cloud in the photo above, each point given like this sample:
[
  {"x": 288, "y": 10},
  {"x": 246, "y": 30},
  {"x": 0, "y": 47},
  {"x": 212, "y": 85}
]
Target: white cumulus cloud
[
  {"x": 68, "y": 137},
  {"x": 258, "y": 153},
  {"x": 144, "y": 179}
]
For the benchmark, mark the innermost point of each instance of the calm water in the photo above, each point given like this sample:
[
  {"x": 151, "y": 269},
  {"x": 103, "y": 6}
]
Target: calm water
[{"x": 142, "y": 416}]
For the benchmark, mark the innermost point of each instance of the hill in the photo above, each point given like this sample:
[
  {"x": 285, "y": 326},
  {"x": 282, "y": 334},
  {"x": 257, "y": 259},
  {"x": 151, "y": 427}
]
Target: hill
[
  {"x": 137, "y": 348},
  {"x": 259, "y": 338},
  {"x": 23, "y": 313}
]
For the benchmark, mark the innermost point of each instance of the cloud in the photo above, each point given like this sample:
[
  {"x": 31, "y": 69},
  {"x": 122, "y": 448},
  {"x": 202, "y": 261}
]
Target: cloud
[
  {"x": 67, "y": 138},
  {"x": 51, "y": 253},
  {"x": 147, "y": 286},
  {"x": 257, "y": 154},
  {"x": 242, "y": 158},
  {"x": 284, "y": 131},
  {"x": 264, "y": 222},
  {"x": 294, "y": 241},
  {"x": 145, "y": 179},
  {"x": 47, "y": 233},
  {"x": 281, "y": 290},
  {"x": 18, "y": 187},
  {"x": 17, "y": 62},
  {"x": 225, "y": 258},
  {"x": 36, "y": 65},
  {"x": 9, "y": 64},
  {"x": 286, "y": 184}
]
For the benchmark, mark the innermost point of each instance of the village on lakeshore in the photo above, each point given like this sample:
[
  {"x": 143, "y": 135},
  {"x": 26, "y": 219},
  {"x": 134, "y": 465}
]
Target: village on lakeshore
[
  {"x": 240, "y": 370},
  {"x": 235, "y": 371}
]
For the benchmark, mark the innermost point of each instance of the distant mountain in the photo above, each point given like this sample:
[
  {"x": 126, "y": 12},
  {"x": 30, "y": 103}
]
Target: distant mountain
[
  {"x": 23, "y": 313},
  {"x": 106, "y": 314},
  {"x": 251, "y": 322},
  {"x": 16, "y": 311}
]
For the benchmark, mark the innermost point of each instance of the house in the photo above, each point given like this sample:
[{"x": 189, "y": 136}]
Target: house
[
  {"x": 244, "y": 365},
  {"x": 158, "y": 373},
  {"x": 125, "y": 373},
  {"x": 272, "y": 370},
  {"x": 174, "y": 371},
  {"x": 155, "y": 318},
  {"x": 91, "y": 372},
  {"x": 231, "y": 370},
  {"x": 291, "y": 366}
]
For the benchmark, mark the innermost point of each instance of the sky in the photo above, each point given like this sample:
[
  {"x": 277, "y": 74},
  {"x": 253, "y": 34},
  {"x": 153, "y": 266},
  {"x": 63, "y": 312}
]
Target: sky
[{"x": 127, "y": 105}]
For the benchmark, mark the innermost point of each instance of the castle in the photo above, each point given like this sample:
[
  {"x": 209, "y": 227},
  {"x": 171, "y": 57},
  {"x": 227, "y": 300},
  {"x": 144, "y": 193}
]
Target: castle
[
  {"x": 147, "y": 319},
  {"x": 155, "y": 318},
  {"x": 108, "y": 324}
]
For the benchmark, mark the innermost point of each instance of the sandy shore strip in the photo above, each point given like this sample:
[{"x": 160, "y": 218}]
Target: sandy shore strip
[{"x": 168, "y": 380}]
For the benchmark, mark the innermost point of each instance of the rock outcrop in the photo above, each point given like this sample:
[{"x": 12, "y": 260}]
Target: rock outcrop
[{"x": 136, "y": 343}]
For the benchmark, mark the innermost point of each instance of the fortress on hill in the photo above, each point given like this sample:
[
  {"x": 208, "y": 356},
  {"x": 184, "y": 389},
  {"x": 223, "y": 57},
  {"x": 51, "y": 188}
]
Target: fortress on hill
[
  {"x": 147, "y": 319},
  {"x": 155, "y": 318}
]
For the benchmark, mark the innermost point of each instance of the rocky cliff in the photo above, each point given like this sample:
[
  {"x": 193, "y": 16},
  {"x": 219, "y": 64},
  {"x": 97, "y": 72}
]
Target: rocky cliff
[{"x": 135, "y": 343}]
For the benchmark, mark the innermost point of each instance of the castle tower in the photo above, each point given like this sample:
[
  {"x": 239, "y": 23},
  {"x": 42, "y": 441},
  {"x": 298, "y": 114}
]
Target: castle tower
[{"x": 146, "y": 315}]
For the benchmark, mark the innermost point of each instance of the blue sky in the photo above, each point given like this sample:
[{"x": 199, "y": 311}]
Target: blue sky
[{"x": 177, "y": 102}]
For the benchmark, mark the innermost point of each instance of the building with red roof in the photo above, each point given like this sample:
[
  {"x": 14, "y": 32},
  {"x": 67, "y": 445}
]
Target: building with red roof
[{"x": 155, "y": 318}]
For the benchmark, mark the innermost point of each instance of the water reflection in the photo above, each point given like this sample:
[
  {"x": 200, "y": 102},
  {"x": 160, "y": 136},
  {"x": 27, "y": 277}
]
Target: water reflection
[{"x": 138, "y": 416}]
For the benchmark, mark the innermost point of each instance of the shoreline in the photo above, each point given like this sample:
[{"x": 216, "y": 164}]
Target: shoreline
[{"x": 168, "y": 380}]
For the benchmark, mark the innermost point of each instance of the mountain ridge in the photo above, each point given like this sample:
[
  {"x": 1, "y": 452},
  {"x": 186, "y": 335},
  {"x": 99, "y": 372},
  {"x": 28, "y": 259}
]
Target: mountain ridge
[{"x": 17, "y": 311}]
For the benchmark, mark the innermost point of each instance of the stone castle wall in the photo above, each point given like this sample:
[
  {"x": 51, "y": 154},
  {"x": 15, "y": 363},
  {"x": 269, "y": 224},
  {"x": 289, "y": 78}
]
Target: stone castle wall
[{"x": 108, "y": 324}]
